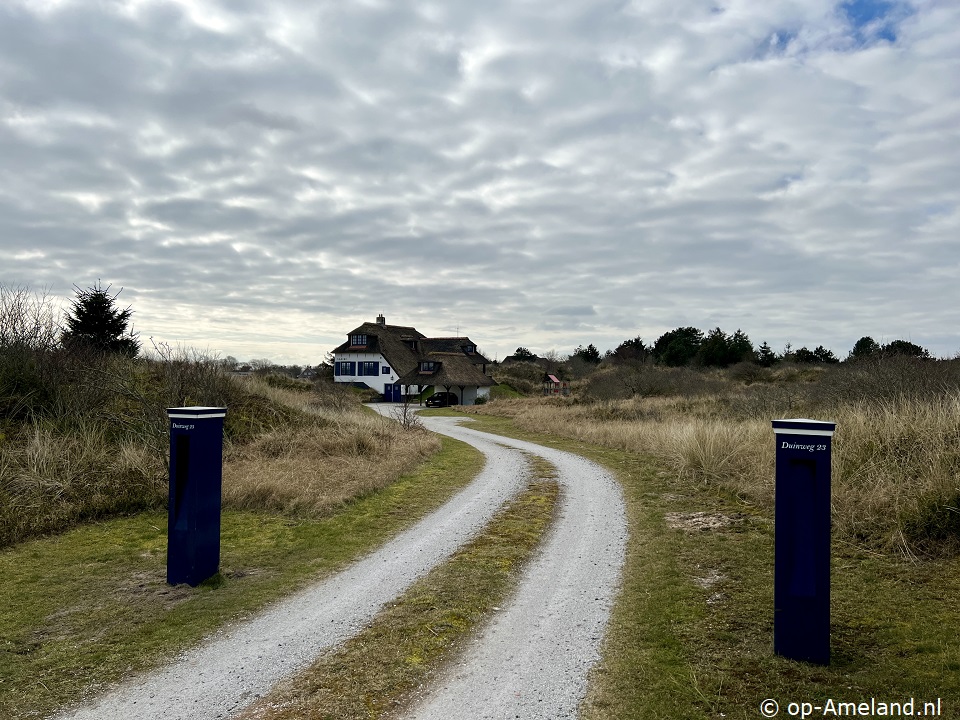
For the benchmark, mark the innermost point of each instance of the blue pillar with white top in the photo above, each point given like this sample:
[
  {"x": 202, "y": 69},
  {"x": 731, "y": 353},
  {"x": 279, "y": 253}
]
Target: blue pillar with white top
[
  {"x": 801, "y": 616},
  {"x": 196, "y": 475}
]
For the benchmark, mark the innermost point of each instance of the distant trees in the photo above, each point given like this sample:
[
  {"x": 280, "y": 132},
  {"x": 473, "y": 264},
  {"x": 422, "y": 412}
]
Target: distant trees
[
  {"x": 864, "y": 348},
  {"x": 720, "y": 350},
  {"x": 261, "y": 365},
  {"x": 820, "y": 355},
  {"x": 678, "y": 347},
  {"x": 689, "y": 346},
  {"x": 94, "y": 321},
  {"x": 766, "y": 357},
  {"x": 903, "y": 347},
  {"x": 634, "y": 350},
  {"x": 588, "y": 354},
  {"x": 867, "y": 347}
]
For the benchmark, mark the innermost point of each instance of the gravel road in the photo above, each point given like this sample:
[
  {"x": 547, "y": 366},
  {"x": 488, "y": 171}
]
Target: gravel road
[{"x": 531, "y": 662}]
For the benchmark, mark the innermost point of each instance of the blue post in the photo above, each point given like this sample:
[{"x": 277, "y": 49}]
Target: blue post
[
  {"x": 196, "y": 474},
  {"x": 801, "y": 592}
]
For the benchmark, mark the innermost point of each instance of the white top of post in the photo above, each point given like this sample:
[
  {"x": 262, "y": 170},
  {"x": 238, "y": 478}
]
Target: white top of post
[
  {"x": 804, "y": 426},
  {"x": 196, "y": 412}
]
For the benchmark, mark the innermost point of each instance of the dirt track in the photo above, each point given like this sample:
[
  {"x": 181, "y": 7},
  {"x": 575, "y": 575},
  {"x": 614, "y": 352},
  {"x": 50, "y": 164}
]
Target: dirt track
[{"x": 531, "y": 661}]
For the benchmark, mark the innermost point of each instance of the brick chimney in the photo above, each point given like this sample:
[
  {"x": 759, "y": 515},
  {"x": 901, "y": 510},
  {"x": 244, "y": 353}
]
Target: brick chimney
[{"x": 381, "y": 320}]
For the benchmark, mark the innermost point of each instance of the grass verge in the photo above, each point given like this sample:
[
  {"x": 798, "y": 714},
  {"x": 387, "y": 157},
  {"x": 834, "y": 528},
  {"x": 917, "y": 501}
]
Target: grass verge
[
  {"x": 87, "y": 608},
  {"x": 691, "y": 635},
  {"x": 375, "y": 673}
]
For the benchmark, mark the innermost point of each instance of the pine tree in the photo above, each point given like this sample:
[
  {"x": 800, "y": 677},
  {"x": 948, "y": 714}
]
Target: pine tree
[
  {"x": 588, "y": 354},
  {"x": 766, "y": 357},
  {"x": 678, "y": 347},
  {"x": 94, "y": 321}
]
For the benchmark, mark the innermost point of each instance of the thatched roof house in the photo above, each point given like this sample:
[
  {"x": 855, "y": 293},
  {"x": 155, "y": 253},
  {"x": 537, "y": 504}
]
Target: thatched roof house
[{"x": 399, "y": 361}]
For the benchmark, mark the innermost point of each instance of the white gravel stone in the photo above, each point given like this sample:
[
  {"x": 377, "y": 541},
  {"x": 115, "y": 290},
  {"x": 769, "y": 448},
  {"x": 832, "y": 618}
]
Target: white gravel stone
[
  {"x": 530, "y": 662},
  {"x": 533, "y": 658}
]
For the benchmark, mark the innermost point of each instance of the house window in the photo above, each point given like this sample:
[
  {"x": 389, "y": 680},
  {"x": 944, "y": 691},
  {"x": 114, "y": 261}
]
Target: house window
[
  {"x": 470, "y": 349},
  {"x": 358, "y": 340},
  {"x": 428, "y": 366},
  {"x": 385, "y": 370},
  {"x": 344, "y": 368},
  {"x": 368, "y": 368}
]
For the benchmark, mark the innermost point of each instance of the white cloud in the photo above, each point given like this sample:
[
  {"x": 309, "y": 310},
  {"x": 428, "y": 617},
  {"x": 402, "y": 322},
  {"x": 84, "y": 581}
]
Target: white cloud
[{"x": 294, "y": 169}]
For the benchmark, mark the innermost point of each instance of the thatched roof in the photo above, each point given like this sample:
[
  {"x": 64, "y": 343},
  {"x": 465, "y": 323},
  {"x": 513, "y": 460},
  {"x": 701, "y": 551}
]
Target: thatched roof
[
  {"x": 452, "y": 370},
  {"x": 453, "y": 345},
  {"x": 392, "y": 341},
  {"x": 404, "y": 348}
]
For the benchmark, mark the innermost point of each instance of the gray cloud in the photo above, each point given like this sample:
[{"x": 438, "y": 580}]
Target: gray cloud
[{"x": 261, "y": 177}]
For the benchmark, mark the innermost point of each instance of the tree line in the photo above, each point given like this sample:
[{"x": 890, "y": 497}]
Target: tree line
[{"x": 690, "y": 346}]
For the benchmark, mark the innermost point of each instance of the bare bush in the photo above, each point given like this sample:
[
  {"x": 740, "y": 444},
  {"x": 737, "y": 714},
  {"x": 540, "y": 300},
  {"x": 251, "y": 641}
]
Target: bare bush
[
  {"x": 749, "y": 373},
  {"x": 337, "y": 396},
  {"x": 28, "y": 319},
  {"x": 406, "y": 415},
  {"x": 888, "y": 378}
]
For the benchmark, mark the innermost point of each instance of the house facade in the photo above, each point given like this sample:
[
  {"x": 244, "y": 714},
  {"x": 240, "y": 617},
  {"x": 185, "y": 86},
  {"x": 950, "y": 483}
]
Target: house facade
[{"x": 400, "y": 363}]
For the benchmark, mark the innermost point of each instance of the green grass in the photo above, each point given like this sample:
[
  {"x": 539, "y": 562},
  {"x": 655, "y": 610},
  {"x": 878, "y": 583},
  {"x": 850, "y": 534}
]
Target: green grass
[
  {"x": 87, "y": 608},
  {"x": 503, "y": 390},
  {"x": 691, "y": 635},
  {"x": 375, "y": 672}
]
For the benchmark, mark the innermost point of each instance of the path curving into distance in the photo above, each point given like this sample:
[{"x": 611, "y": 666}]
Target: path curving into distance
[
  {"x": 558, "y": 615},
  {"x": 531, "y": 661}
]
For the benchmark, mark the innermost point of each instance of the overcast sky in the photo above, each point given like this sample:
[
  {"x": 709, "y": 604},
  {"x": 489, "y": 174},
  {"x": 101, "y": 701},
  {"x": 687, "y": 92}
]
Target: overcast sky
[{"x": 261, "y": 177}]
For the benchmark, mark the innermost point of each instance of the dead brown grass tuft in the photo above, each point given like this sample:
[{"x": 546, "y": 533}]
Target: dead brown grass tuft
[{"x": 316, "y": 468}]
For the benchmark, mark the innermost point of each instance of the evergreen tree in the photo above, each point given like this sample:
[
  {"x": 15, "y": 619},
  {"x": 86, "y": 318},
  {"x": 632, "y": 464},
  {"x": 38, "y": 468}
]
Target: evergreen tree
[
  {"x": 678, "y": 347},
  {"x": 721, "y": 350},
  {"x": 805, "y": 355},
  {"x": 714, "y": 351},
  {"x": 94, "y": 321},
  {"x": 820, "y": 355},
  {"x": 741, "y": 349},
  {"x": 864, "y": 348},
  {"x": 588, "y": 354},
  {"x": 904, "y": 347},
  {"x": 630, "y": 350},
  {"x": 825, "y": 356},
  {"x": 766, "y": 357}
]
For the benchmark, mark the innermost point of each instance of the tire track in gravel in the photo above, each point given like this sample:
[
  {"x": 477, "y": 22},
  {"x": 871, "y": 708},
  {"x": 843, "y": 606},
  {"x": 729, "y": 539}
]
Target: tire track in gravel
[
  {"x": 242, "y": 662},
  {"x": 531, "y": 661}
]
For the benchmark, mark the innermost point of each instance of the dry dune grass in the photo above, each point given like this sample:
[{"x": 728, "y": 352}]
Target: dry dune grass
[
  {"x": 896, "y": 462},
  {"x": 49, "y": 480},
  {"x": 338, "y": 454}
]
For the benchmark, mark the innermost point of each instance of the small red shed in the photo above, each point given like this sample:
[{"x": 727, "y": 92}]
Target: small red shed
[{"x": 552, "y": 385}]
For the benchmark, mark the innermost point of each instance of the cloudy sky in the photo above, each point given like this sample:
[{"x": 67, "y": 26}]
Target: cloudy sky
[{"x": 262, "y": 176}]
